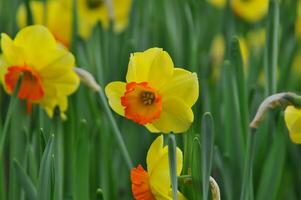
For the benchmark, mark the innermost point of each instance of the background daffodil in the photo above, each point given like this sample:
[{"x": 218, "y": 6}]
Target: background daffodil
[
  {"x": 92, "y": 11},
  {"x": 57, "y": 16},
  {"x": 251, "y": 10},
  {"x": 292, "y": 118},
  {"x": 47, "y": 68},
  {"x": 54, "y": 15},
  {"x": 154, "y": 184},
  {"x": 156, "y": 94}
]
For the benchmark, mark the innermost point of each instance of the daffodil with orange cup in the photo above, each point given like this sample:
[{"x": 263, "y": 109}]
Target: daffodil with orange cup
[
  {"x": 154, "y": 184},
  {"x": 46, "y": 66},
  {"x": 156, "y": 94}
]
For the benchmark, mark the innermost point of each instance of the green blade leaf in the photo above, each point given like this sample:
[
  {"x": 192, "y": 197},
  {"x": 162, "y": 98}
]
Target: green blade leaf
[
  {"x": 207, "y": 135},
  {"x": 25, "y": 181},
  {"x": 172, "y": 156},
  {"x": 196, "y": 172},
  {"x": 44, "y": 186}
]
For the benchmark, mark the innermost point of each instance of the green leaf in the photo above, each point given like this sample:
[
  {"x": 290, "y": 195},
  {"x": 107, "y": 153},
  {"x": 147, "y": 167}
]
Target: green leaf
[
  {"x": 172, "y": 156},
  {"x": 238, "y": 71},
  {"x": 44, "y": 186},
  {"x": 25, "y": 181},
  {"x": 196, "y": 172},
  {"x": 271, "y": 51},
  {"x": 207, "y": 135}
]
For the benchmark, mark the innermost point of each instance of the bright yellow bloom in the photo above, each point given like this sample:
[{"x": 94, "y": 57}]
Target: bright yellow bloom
[
  {"x": 92, "y": 11},
  {"x": 292, "y": 118},
  {"x": 59, "y": 16},
  {"x": 217, "y": 3},
  {"x": 156, "y": 94},
  {"x": 56, "y": 17},
  {"x": 47, "y": 68},
  {"x": 251, "y": 10},
  {"x": 154, "y": 184}
]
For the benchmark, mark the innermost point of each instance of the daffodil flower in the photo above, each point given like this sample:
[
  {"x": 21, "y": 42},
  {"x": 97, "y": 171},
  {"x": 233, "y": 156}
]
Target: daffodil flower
[
  {"x": 57, "y": 15},
  {"x": 154, "y": 184},
  {"x": 47, "y": 68},
  {"x": 292, "y": 118},
  {"x": 156, "y": 94},
  {"x": 92, "y": 11},
  {"x": 54, "y": 15},
  {"x": 250, "y": 10}
]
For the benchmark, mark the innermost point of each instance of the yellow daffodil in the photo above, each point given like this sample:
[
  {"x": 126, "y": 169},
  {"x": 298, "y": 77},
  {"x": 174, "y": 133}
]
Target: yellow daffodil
[
  {"x": 92, "y": 11},
  {"x": 156, "y": 94},
  {"x": 217, "y": 3},
  {"x": 47, "y": 68},
  {"x": 57, "y": 16},
  {"x": 54, "y": 15},
  {"x": 250, "y": 10},
  {"x": 154, "y": 184},
  {"x": 292, "y": 118}
]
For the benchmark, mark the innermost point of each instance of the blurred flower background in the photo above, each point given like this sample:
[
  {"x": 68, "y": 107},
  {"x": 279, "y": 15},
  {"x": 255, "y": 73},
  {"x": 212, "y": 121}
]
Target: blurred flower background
[{"x": 203, "y": 67}]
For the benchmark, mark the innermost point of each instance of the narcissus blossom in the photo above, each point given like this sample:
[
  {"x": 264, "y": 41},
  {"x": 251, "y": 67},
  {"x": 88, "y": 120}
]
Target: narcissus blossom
[
  {"x": 251, "y": 10},
  {"x": 92, "y": 11},
  {"x": 154, "y": 184},
  {"x": 292, "y": 118},
  {"x": 57, "y": 15},
  {"x": 54, "y": 15},
  {"x": 47, "y": 68},
  {"x": 156, "y": 94}
]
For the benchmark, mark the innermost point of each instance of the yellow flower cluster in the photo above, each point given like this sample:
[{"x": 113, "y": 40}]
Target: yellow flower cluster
[{"x": 57, "y": 15}]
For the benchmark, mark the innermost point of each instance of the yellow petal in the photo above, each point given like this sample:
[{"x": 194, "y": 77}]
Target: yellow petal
[
  {"x": 160, "y": 175},
  {"x": 114, "y": 91},
  {"x": 183, "y": 85},
  {"x": 50, "y": 103},
  {"x": 3, "y": 68},
  {"x": 292, "y": 117},
  {"x": 161, "y": 70},
  {"x": 151, "y": 128},
  {"x": 175, "y": 117},
  {"x": 154, "y": 153},
  {"x": 37, "y": 43},
  {"x": 121, "y": 14},
  {"x": 12, "y": 54},
  {"x": 140, "y": 64}
]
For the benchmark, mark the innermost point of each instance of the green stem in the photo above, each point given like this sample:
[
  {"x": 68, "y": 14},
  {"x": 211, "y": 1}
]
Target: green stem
[
  {"x": 172, "y": 156},
  {"x": 11, "y": 109},
  {"x": 116, "y": 131},
  {"x": 245, "y": 192},
  {"x": 271, "y": 54}
]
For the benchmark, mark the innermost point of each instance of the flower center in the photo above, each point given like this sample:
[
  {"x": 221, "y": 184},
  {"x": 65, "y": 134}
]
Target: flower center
[
  {"x": 142, "y": 104},
  {"x": 94, "y": 4},
  {"x": 31, "y": 87},
  {"x": 147, "y": 97},
  {"x": 140, "y": 184}
]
